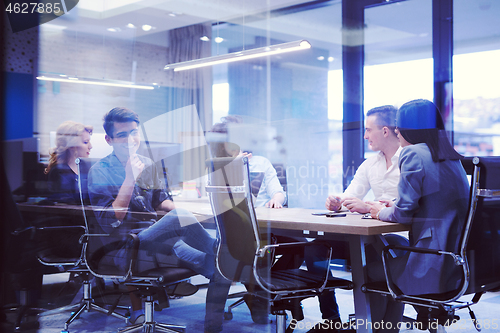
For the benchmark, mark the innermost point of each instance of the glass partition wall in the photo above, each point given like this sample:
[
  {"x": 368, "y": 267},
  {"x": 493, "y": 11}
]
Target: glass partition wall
[
  {"x": 292, "y": 103},
  {"x": 283, "y": 99}
]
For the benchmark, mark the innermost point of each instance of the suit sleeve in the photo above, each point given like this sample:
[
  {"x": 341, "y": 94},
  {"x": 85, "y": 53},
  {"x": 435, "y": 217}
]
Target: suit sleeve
[{"x": 409, "y": 189}]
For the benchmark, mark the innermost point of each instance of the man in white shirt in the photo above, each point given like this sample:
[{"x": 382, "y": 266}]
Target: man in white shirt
[
  {"x": 380, "y": 172},
  {"x": 271, "y": 193}
]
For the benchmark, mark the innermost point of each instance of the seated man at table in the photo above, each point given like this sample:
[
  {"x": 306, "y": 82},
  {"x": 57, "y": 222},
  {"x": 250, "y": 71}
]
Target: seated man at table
[
  {"x": 270, "y": 193},
  {"x": 380, "y": 172},
  {"x": 125, "y": 182}
]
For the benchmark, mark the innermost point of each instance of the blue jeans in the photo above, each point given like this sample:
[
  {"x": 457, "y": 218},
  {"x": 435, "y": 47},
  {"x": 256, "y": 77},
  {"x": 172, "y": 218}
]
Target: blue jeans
[{"x": 195, "y": 248}]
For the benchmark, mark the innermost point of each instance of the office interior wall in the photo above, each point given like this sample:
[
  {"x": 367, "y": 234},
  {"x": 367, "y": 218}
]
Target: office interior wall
[
  {"x": 19, "y": 66},
  {"x": 93, "y": 56}
]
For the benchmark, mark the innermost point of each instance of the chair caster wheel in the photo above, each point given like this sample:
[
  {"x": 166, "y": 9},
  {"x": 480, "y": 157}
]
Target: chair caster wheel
[{"x": 228, "y": 315}]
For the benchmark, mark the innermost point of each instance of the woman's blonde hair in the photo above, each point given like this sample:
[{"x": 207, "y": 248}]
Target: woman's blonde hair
[{"x": 66, "y": 137}]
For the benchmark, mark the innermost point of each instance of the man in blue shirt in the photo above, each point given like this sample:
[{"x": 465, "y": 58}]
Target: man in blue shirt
[{"x": 125, "y": 183}]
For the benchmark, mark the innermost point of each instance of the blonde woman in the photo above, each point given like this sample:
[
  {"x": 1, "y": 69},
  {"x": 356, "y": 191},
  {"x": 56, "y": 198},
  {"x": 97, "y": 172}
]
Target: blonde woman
[{"x": 72, "y": 142}]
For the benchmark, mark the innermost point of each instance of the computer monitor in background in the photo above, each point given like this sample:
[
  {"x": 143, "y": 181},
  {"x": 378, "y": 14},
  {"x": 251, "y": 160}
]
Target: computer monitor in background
[{"x": 23, "y": 168}]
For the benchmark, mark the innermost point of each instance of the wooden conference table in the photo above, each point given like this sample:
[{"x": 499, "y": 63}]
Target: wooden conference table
[{"x": 301, "y": 223}]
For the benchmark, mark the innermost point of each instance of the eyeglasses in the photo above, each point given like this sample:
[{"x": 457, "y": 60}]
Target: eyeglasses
[{"x": 124, "y": 135}]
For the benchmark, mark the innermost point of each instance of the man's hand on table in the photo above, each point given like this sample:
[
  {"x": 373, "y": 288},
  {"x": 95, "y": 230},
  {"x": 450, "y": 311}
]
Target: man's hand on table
[
  {"x": 356, "y": 205},
  {"x": 333, "y": 203},
  {"x": 276, "y": 201}
]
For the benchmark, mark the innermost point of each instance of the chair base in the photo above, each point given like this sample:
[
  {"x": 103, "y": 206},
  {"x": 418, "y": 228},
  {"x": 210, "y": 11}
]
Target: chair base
[
  {"x": 150, "y": 325},
  {"x": 86, "y": 304},
  {"x": 228, "y": 315}
]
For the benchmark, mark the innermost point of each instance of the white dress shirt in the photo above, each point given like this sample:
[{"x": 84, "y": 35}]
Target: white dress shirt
[
  {"x": 270, "y": 184},
  {"x": 373, "y": 174}
]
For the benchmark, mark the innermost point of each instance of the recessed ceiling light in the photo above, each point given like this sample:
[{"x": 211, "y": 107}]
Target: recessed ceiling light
[
  {"x": 130, "y": 25},
  {"x": 146, "y": 27},
  {"x": 114, "y": 29},
  {"x": 330, "y": 59},
  {"x": 204, "y": 38},
  {"x": 219, "y": 39},
  {"x": 172, "y": 14},
  {"x": 321, "y": 58}
]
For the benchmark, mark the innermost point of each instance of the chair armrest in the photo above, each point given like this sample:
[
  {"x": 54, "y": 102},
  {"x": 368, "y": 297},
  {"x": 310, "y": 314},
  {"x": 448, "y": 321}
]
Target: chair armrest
[
  {"x": 19, "y": 232},
  {"x": 459, "y": 261},
  {"x": 321, "y": 271},
  {"x": 263, "y": 250},
  {"x": 63, "y": 228},
  {"x": 411, "y": 249},
  {"x": 457, "y": 258},
  {"x": 85, "y": 237}
]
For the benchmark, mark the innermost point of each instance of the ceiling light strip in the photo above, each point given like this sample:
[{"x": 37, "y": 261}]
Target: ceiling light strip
[
  {"x": 242, "y": 55},
  {"x": 94, "y": 82}
]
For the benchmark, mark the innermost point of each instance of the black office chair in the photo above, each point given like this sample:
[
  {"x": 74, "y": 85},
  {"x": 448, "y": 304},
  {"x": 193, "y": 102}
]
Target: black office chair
[
  {"x": 101, "y": 250},
  {"x": 477, "y": 260},
  {"x": 245, "y": 254},
  {"x": 78, "y": 269},
  {"x": 20, "y": 277}
]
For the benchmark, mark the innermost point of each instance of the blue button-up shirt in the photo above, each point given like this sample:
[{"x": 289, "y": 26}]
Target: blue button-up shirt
[{"x": 105, "y": 179}]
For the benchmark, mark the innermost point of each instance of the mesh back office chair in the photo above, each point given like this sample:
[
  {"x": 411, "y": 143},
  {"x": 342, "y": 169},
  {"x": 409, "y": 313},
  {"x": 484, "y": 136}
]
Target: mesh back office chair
[
  {"x": 477, "y": 260},
  {"x": 101, "y": 251},
  {"x": 245, "y": 253}
]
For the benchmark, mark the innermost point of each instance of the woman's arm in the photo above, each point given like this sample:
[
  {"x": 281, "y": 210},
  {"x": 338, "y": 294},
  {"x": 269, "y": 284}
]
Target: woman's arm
[{"x": 409, "y": 188}]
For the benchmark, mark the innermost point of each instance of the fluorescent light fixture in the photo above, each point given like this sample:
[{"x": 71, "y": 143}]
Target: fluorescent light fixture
[
  {"x": 97, "y": 82},
  {"x": 53, "y": 26},
  {"x": 242, "y": 55}
]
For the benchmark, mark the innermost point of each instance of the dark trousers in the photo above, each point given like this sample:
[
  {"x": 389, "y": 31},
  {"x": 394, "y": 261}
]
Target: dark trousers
[{"x": 384, "y": 308}]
